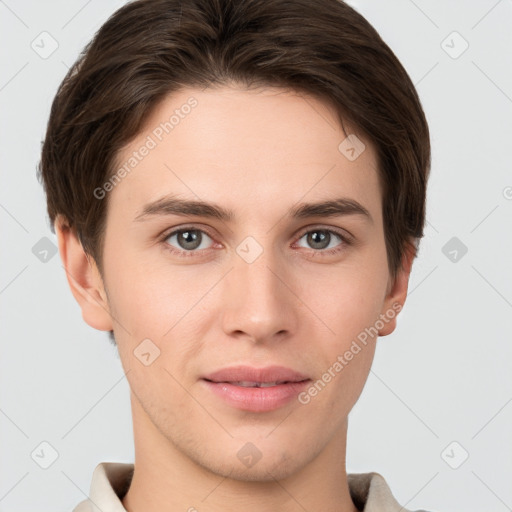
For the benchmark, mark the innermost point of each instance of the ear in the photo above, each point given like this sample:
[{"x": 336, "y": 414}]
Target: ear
[
  {"x": 83, "y": 277},
  {"x": 397, "y": 291}
]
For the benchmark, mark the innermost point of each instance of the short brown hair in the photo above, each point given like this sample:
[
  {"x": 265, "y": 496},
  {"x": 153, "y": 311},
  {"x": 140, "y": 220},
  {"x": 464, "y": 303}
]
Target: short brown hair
[{"x": 151, "y": 48}]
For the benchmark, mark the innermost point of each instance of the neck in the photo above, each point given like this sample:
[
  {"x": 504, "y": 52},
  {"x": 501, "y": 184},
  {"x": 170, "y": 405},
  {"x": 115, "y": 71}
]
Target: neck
[{"x": 165, "y": 478}]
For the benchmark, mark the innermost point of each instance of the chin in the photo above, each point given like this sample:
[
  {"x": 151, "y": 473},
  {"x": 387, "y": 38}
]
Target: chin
[
  {"x": 273, "y": 465},
  {"x": 260, "y": 472}
]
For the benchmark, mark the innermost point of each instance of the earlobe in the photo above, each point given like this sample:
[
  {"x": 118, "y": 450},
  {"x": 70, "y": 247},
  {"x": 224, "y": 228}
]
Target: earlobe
[
  {"x": 397, "y": 291},
  {"x": 83, "y": 278}
]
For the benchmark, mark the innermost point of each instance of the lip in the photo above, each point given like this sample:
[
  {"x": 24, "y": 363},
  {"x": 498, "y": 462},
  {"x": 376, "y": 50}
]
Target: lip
[
  {"x": 252, "y": 398},
  {"x": 251, "y": 374},
  {"x": 256, "y": 399}
]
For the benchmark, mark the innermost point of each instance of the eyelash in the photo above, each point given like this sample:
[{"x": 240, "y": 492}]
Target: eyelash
[{"x": 346, "y": 241}]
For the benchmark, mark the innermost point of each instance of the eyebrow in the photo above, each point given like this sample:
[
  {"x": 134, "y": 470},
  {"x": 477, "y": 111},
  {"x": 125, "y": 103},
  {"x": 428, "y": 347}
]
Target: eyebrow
[{"x": 171, "y": 205}]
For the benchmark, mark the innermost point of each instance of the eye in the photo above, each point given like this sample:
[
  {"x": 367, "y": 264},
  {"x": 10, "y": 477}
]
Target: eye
[
  {"x": 321, "y": 239},
  {"x": 187, "y": 239}
]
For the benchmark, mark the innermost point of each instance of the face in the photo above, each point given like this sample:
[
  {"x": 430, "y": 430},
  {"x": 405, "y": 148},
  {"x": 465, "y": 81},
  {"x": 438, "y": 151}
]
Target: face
[{"x": 262, "y": 287}]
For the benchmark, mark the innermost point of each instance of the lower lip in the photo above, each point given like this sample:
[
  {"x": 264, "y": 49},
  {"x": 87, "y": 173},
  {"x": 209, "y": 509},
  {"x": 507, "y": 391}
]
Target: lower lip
[{"x": 257, "y": 399}]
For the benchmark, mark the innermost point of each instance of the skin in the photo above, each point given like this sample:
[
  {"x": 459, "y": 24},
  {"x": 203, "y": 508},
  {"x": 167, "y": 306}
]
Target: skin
[{"x": 259, "y": 153}]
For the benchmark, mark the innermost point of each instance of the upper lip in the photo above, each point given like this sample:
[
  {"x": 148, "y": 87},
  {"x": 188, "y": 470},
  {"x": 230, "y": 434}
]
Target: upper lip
[{"x": 250, "y": 374}]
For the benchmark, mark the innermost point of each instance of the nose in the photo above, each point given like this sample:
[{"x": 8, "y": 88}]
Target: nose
[{"x": 260, "y": 300}]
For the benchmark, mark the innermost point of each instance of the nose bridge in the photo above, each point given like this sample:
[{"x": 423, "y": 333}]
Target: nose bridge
[{"x": 258, "y": 303}]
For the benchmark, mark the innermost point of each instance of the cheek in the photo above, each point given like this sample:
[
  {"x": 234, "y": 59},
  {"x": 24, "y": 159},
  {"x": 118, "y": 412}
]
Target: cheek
[
  {"x": 347, "y": 352},
  {"x": 148, "y": 299},
  {"x": 348, "y": 310},
  {"x": 348, "y": 299},
  {"x": 158, "y": 314}
]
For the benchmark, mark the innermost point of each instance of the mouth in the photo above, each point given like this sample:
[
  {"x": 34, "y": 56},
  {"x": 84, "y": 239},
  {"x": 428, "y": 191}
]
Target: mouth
[{"x": 254, "y": 389}]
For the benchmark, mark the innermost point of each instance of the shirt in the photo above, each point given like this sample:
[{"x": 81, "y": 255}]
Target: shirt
[{"x": 111, "y": 480}]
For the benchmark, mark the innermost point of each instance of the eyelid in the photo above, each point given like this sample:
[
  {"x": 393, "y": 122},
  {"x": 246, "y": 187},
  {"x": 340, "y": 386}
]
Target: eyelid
[
  {"x": 195, "y": 227},
  {"x": 339, "y": 231},
  {"x": 343, "y": 233}
]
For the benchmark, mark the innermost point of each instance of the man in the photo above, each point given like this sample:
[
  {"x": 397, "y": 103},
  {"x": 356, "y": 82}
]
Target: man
[{"x": 238, "y": 191}]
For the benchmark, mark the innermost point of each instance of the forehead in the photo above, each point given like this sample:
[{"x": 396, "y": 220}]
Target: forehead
[{"x": 245, "y": 149}]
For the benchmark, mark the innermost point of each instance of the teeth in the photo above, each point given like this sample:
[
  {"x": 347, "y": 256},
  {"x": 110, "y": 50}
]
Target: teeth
[{"x": 248, "y": 384}]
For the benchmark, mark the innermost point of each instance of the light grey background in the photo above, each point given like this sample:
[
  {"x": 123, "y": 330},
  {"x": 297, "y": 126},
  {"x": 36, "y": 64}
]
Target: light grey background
[{"x": 441, "y": 385}]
